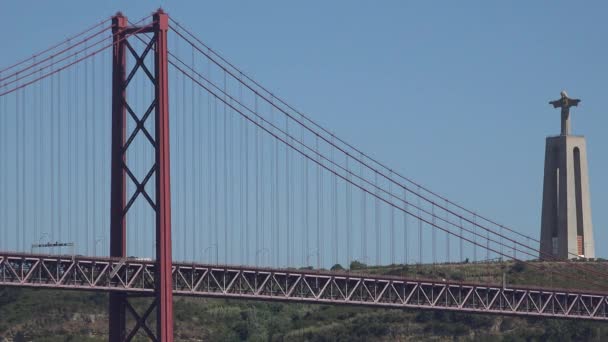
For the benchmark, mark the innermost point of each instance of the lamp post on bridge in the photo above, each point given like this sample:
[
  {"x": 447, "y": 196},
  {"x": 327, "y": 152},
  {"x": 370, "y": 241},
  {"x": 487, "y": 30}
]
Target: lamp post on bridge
[
  {"x": 39, "y": 240},
  {"x": 54, "y": 244}
]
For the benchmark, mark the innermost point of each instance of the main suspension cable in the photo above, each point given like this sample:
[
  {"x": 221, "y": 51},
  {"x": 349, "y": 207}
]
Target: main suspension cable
[
  {"x": 34, "y": 56},
  {"x": 378, "y": 197},
  {"x": 389, "y": 178},
  {"x": 331, "y": 134}
]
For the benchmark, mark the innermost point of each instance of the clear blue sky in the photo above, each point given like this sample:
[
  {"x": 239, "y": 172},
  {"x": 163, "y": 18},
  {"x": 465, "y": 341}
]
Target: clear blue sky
[{"x": 453, "y": 94}]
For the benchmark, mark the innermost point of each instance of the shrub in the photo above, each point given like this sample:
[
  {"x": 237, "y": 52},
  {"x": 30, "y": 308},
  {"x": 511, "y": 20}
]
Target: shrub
[
  {"x": 457, "y": 276},
  {"x": 518, "y": 267},
  {"x": 337, "y": 267},
  {"x": 356, "y": 265},
  {"x": 242, "y": 330}
]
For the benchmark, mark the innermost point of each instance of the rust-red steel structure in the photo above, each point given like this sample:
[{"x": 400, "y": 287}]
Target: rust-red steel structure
[
  {"x": 161, "y": 204},
  {"x": 133, "y": 276}
]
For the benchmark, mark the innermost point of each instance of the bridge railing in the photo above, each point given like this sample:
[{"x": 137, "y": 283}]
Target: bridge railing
[{"x": 304, "y": 286}]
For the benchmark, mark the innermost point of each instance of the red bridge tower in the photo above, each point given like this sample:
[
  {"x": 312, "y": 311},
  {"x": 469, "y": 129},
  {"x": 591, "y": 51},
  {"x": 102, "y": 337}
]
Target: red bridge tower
[{"x": 161, "y": 204}]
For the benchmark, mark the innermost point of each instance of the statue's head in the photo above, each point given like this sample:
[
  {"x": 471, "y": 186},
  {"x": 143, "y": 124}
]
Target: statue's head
[{"x": 563, "y": 94}]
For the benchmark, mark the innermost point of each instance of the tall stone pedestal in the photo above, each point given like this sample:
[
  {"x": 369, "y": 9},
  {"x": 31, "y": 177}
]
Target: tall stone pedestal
[{"x": 566, "y": 227}]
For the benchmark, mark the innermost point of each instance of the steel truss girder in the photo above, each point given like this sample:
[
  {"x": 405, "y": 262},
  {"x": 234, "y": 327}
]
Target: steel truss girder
[{"x": 137, "y": 277}]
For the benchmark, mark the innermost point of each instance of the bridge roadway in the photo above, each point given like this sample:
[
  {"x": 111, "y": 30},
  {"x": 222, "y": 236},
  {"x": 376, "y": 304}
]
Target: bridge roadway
[{"x": 136, "y": 276}]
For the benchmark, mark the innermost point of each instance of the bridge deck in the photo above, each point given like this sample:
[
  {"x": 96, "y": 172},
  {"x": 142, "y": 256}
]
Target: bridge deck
[{"x": 306, "y": 286}]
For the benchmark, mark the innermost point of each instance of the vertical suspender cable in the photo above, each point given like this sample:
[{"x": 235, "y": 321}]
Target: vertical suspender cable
[
  {"x": 488, "y": 254},
  {"x": 334, "y": 208},
  {"x": 276, "y": 203},
  {"x": 487, "y": 245},
  {"x": 25, "y": 130},
  {"x": 70, "y": 160},
  {"x": 215, "y": 177},
  {"x": 138, "y": 225},
  {"x": 392, "y": 223},
  {"x": 32, "y": 161},
  {"x": 3, "y": 174},
  {"x": 24, "y": 115},
  {"x": 87, "y": 156},
  {"x": 273, "y": 259},
  {"x": 38, "y": 163},
  {"x": 193, "y": 188},
  {"x": 3, "y": 194},
  {"x": 225, "y": 174},
  {"x": 319, "y": 204},
  {"x": 292, "y": 202},
  {"x": 294, "y": 170},
  {"x": 305, "y": 203},
  {"x": 94, "y": 127},
  {"x": 287, "y": 194},
  {"x": 501, "y": 242},
  {"x": 405, "y": 241},
  {"x": 51, "y": 126},
  {"x": 201, "y": 207},
  {"x": 79, "y": 137},
  {"x": 16, "y": 112},
  {"x": 433, "y": 232},
  {"x": 262, "y": 193},
  {"x": 419, "y": 231},
  {"x": 184, "y": 165},
  {"x": 210, "y": 164},
  {"x": 461, "y": 241},
  {"x": 4, "y": 120},
  {"x": 59, "y": 121},
  {"x": 21, "y": 152},
  {"x": 377, "y": 220},
  {"x": 474, "y": 238},
  {"x": 349, "y": 218},
  {"x": 257, "y": 189},
  {"x": 15, "y": 151},
  {"x": 231, "y": 184},
  {"x": 363, "y": 219},
  {"x": 105, "y": 165},
  {"x": 447, "y": 236},
  {"x": 18, "y": 173},
  {"x": 274, "y": 162},
  {"x": 247, "y": 222},
  {"x": 242, "y": 174}
]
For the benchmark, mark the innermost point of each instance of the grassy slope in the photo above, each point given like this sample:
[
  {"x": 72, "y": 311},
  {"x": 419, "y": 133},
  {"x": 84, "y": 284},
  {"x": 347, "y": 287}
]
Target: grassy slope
[{"x": 44, "y": 315}]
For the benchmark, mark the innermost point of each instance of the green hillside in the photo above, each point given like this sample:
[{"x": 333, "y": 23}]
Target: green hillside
[{"x": 43, "y": 315}]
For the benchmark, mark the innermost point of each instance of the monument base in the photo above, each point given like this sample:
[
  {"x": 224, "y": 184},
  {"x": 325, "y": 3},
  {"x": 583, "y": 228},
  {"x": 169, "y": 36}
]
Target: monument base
[{"x": 566, "y": 227}]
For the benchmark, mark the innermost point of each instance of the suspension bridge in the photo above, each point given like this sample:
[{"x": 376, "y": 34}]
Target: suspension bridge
[{"x": 245, "y": 197}]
